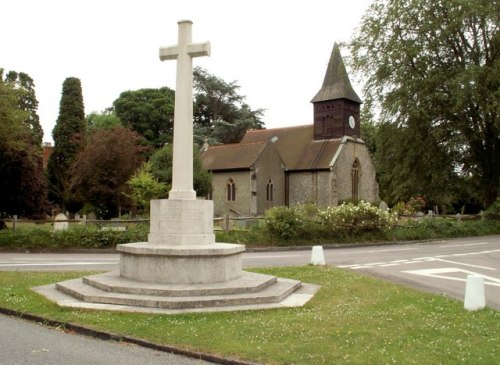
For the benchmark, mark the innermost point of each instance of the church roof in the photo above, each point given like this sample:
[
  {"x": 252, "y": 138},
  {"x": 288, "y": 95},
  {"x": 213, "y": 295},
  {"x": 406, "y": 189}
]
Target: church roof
[
  {"x": 336, "y": 84},
  {"x": 297, "y": 147},
  {"x": 232, "y": 156}
]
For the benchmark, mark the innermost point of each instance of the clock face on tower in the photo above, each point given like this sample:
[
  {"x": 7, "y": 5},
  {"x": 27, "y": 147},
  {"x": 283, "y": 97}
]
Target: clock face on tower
[{"x": 352, "y": 122}]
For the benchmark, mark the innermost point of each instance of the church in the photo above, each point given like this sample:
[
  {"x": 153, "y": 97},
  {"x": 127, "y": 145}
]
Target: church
[{"x": 323, "y": 163}]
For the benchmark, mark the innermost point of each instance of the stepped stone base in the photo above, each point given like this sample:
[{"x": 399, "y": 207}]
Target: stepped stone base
[{"x": 109, "y": 291}]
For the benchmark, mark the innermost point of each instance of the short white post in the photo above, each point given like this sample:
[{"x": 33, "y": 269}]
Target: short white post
[
  {"x": 317, "y": 256},
  {"x": 474, "y": 293}
]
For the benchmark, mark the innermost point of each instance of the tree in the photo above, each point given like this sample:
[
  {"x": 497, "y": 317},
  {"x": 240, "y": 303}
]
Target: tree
[
  {"x": 68, "y": 135},
  {"x": 24, "y": 87},
  {"x": 22, "y": 186},
  {"x": 423, "y": 169},
  {"x": 220, "y": 113},
  {"x": 102, "y": 169},
  {"x": 149, "y": 112},
  {"x": 161, "y": 168},
  {"x": 145, "y": 187},
  {"x": 433, "y": 66},
  {"x": 105, "y": 119}
]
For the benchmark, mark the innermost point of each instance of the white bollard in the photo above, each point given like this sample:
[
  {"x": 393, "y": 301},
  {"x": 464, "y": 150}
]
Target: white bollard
[
  {"x": 317, "y": 256},
  {"x": 474, "y": 293}
]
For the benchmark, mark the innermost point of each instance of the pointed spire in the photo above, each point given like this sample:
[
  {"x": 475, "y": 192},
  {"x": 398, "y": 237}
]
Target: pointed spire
[{"x": 336, "y": 84}]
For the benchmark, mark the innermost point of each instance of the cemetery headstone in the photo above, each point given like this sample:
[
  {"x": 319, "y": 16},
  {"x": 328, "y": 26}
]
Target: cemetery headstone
[
  {"x": 61, "y": 222},
  {"x": 383, "y": 206}
]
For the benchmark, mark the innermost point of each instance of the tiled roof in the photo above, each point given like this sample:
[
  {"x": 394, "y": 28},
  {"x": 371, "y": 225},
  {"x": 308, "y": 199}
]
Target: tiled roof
[
  {"x": 232, "y": 156},
  {"x": 297, "y": 147}
]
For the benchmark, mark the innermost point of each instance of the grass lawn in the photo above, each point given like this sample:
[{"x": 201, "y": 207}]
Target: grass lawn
[{"x": 352, "y": 319}]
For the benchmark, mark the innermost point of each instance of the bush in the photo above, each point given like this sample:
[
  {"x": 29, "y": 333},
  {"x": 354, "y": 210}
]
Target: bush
[
  {"x": 356, "y": 219},
  {"x": 493, "y": 212},
  {"x": 285, "y": 222},
  {"x": 75, "y": 237},
  {"x": 308, "y": 221}
]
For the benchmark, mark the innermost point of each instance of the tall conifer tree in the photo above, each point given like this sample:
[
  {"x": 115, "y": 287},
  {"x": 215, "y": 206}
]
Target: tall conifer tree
[
  {"x": 68, "y": 135},
  {"x": 22, "y": 185}
]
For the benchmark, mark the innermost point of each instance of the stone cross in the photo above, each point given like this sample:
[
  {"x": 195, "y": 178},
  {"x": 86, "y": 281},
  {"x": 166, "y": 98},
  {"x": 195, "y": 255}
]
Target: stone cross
[{"x": 184, "y": 51}]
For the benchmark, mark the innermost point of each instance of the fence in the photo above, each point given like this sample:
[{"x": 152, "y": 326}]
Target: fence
[{"x": 226, "y": 223}]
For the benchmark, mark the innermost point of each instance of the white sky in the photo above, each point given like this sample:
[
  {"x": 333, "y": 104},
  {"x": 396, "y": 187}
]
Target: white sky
[{"x": 277, "y": 51}]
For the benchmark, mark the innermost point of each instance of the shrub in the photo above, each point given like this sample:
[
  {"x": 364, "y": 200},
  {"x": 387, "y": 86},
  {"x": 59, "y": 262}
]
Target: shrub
[
  {"x": 75, "y": 237},
  {"x": 284, "y": 222},
  {"x": 356, "y": 219},
  {"x": 416, "y": 204},
  {"x": 308, "y": 221},
  {"x": 493, "y": 212}
]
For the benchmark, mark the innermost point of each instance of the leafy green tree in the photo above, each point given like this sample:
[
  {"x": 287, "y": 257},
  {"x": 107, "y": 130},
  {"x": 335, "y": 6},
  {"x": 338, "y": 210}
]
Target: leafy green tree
[
  {"x": 24, "y": 87},
  {"x": 144, "y": 187},
  {"x": 161, "y": 168},
  {"x": 432, "y": 67},
  {"x": 220, "y": 113},
  {"x": 69, "y": 137},
  {"x": 409, "y": 163},
  {"x": 22, "y": 186},
  {"x": 105, "y": 119},
  {"x": 149, "y": 112},
  {"x": 101, "y": 170}
]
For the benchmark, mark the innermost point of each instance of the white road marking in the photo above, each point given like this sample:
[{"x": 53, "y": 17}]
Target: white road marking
[
  {"x": 469, "y": 265},
  {"x": 466, "y": 244},
  {"x": 60, "y": 264},
  {"x": 388, "y": 250},
  {"x": 269, "y": 256},
  {"x": 437, "y": 273}
]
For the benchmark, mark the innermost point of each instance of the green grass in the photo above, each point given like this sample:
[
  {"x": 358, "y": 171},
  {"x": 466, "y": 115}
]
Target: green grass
[{"x": 352, "y": 319}]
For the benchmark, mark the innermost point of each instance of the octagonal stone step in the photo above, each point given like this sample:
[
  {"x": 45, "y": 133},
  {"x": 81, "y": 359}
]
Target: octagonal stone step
[
  {"x": 271, "y": 294},
  {"x": 247, "y": 283}
]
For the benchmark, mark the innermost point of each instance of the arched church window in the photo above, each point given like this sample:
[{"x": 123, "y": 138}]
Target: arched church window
[
  {"x": 231, "y": 190},
  {"x": 269, "y": 191},
  {"x": 355, "y": 172}
]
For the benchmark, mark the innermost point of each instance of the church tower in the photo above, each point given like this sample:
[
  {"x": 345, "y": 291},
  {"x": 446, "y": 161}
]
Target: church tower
[{"x": 336, "y": 105}]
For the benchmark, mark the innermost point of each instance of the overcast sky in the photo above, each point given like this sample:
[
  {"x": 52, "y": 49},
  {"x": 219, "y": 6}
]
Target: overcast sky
[{"x": 277, "y": 51}]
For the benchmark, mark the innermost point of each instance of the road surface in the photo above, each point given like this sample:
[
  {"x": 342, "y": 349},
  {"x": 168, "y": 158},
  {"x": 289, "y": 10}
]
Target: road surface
[
  {"x": 438, "y": 266},
  {"x": 23, "y": 342}
]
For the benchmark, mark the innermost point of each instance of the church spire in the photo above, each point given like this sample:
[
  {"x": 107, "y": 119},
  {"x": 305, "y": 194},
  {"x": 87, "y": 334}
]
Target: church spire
[
  {"x": 336, "y": 105},
  {"x": 336, "y": 84}
]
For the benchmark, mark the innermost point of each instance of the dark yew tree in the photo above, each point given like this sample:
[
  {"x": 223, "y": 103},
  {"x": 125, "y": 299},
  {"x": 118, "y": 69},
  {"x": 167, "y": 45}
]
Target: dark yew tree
[
  {"x": 22, "y": 186},
  {"x": 149, "y": 112},
  {"x": 68, "y": 135},
  {"x": 102, "y": 169},
  {"x": 432, "y": 70},
  {"x": 220, "y": 113}
]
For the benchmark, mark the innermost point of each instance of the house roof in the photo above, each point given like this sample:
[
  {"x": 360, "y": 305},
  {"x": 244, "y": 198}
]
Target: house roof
[
  {"x": 296, "y": 146},
  {"x": 336, "y": 84},
  {"x": 232, "y": 156}
]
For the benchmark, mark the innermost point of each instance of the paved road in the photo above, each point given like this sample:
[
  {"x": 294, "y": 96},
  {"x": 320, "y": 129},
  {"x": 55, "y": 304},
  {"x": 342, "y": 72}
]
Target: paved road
[
  {"x": 439, "y": 266},
  {"x": 27, "y": 343}
]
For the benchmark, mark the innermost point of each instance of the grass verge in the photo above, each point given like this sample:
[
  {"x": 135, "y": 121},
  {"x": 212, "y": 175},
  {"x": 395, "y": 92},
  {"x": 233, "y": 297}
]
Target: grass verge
[{"x": 352, "y": 319}]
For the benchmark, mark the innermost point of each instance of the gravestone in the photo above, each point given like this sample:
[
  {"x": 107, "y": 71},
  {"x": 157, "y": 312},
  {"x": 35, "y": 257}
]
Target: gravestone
[
  {"x": 61, "y": 222},
  {"x": 383, "y": 206}
]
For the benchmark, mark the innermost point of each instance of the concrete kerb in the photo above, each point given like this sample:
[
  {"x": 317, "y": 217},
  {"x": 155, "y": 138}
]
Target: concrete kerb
[
  {"x": 107, "y": 336},
  {"x": 247, "y": 248}
]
